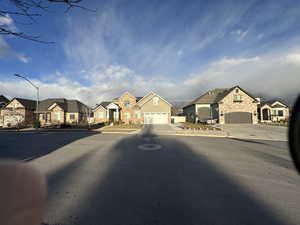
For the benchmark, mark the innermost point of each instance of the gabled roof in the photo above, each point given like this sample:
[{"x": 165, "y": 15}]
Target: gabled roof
[
  {"x": 45, "y": 104},
  {"x": 138, "y": 99},
  {"x": 154, "y": 94},
  {"x": 215, "y": 96},
  {"x": 27, "y": 103},
  {"x": 271, "y": 102},
  {"x": 3, "y": 99},
  {"x": 65, "y": 104},
  {"x": 104, "y": 104}
]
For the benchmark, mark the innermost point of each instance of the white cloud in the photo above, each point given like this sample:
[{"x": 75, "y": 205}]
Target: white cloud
[
  {"x": 7, "y": 53},
  {"x": 240, "y": 34},
  {"x": 272, "y": 76},
  {"x": 7, "y": 22},
  {"x": 234, "y": 61},
  {"x": 293, "y": 58}
]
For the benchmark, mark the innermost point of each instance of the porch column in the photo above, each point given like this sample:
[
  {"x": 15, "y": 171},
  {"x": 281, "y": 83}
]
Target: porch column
[
  {"x": 107, "y": 114},
  {"x": 117, "y": 114}
]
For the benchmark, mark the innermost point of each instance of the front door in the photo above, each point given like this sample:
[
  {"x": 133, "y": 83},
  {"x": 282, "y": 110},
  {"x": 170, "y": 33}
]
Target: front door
[
  {"x": 112, "y": 115},
  {"x": 265, "y": 114}
]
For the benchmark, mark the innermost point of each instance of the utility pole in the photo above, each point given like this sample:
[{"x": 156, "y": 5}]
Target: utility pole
[{"x": 37, "y": 93}]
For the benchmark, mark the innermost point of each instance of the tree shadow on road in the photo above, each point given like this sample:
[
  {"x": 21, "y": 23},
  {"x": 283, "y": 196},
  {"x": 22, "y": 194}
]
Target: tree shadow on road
[{"x": 169, "y": 186}]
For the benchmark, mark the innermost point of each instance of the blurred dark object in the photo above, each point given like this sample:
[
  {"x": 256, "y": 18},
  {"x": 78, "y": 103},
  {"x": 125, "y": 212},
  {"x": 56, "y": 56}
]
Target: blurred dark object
[{"x": 294, "y": 134}]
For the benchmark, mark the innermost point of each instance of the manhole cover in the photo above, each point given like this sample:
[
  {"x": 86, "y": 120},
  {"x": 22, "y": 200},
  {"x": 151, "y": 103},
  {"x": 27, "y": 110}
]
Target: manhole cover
[{"x": 149, "y": 147}]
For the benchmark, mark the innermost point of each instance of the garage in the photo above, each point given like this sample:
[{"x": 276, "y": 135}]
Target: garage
[
  {"x": 156, "y": 118},
  {"x": 238, "y": 117}
]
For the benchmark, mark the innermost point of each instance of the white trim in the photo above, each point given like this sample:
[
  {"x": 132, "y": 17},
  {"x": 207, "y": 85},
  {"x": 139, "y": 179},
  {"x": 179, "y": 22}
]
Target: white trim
[
  {"x": 98, "y": 108},
  {"x": 153, "y": 96},
  {"x": 54, "y": 105},
  {"x": 112, "y": 103},
  {"x": 280, "y": 103}
]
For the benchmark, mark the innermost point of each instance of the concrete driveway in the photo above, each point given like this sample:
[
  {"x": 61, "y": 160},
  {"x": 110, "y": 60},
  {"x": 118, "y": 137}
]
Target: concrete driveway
[
  {"x": 160, "y": 128},
  {"x": 251, "y": 131}
]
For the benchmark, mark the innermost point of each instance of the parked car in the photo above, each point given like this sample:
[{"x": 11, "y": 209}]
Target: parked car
[{"x": 208, "y": 121}]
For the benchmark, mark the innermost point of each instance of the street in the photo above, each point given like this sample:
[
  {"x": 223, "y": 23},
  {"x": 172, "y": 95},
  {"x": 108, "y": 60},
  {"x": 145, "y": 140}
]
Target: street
[{"x": 148, "y": 179}]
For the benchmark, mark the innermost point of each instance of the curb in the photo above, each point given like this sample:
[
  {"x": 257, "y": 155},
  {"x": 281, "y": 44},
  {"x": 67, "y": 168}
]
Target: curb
[
  {"x": 194, "y": 135},
  {"x": 252, "y": 138}
]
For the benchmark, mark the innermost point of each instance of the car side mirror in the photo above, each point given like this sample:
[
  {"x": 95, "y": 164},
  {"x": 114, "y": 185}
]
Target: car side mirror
[{"x": 294, "y": 134}]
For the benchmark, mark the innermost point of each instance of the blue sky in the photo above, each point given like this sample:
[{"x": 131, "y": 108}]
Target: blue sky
[{"x": 178, "y": 49}]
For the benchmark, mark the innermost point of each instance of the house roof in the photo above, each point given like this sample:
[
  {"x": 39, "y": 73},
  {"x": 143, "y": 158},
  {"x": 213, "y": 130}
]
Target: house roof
[
  {"x": 66, "y": 104},
  {"x": 3, "y": 99},
  {"x": 271, "y": 102},
  {"x": 104, "y": 104},
  {"x": 211, "y": 97},
  {"x": 27, "y": 103},
  {"x": 45, "y": 104},
  {"x": 137, "y": 98},
  {"x": 215, "y": 96}
]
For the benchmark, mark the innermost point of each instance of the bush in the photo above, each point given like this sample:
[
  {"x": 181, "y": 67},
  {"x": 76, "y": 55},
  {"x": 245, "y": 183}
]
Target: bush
[
  {"x": 36, "y": 124},
  {"x": 106, "y": 123}
]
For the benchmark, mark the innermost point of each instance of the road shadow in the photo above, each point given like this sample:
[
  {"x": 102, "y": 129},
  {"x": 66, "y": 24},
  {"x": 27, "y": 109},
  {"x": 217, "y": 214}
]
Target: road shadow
[
  {"x": 173, "y": 185},
  {"x": 27, "y": 146}
]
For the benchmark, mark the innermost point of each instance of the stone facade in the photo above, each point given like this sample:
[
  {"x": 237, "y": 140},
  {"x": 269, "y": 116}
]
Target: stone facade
[
  {"x": 217, "y": 103},
  {"x": 16, "y": 114},
  {"x": 229, "y": 104},
  {"x": 56, "y": 115},
  {"x": 132, "y": 109},
  {"x": 128, "y": 111}
]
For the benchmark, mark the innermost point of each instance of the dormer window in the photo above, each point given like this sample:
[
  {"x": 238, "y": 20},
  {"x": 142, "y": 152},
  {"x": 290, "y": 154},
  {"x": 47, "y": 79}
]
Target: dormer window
[{"x": 155, "y": 100}]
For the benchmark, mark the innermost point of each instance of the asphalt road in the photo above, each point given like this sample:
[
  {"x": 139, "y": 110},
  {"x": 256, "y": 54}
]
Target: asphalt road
[{"x": 148, "y": 179}]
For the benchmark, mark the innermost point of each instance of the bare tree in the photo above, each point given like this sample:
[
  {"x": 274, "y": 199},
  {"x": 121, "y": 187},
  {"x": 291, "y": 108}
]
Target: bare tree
[{"x": 29, "y": 10}]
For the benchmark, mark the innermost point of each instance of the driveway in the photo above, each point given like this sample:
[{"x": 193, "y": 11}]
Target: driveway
[
  {"x": 256, "y": 131},
  {"x": 159, "y": 128}
]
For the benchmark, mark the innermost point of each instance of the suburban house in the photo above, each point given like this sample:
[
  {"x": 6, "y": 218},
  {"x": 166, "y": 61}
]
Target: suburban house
[
  {"x": 227, "y": 106},
  {"x": 3, "y": 102},
  {"x": 54, "y": 111},
  {"x": 273, "y": 111},
  {"x": 150, "y": 109},
  {"x": 18, "y": 112}
]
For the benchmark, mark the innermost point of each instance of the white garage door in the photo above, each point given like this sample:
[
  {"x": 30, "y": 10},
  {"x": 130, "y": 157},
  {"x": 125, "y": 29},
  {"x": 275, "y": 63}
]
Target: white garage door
[{"x": 156, "y": 118}]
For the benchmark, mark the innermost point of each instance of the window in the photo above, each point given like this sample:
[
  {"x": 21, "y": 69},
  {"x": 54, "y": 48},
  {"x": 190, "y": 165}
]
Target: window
[
  {"x": 155, "y": 100},
  {"x": 127, "y": 115},
  {"x": 57, "y": 116},
  {"x": 72, "y": 116},
  {"x": 236, "y": 90},
  {"x": 126, "y": 103},
  {"x": 280, "y": 113},
  {"x": 237, "y": 98},
  {"x": 138, "y": 115}
]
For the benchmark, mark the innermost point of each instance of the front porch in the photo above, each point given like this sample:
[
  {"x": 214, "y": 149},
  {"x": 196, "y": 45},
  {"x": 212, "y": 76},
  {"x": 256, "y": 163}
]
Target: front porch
[{"x": 113, "y": 112}]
